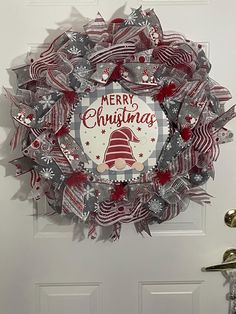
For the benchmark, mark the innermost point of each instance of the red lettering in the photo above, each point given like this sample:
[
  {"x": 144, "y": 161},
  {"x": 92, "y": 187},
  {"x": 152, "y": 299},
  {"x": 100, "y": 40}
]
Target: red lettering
[
  {"x": 104, "y": 99},
  {"x": 112, "y": 102},
  {"x": 90, "y": 113},
  {"x": 131, "y": 98},
  {"x": 125, "y": 99},
  {"x": 118, "y": 100}
]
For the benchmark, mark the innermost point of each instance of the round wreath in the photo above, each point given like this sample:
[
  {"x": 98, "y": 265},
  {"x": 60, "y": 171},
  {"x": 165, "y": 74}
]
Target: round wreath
[{"x": 147, "y": 62}]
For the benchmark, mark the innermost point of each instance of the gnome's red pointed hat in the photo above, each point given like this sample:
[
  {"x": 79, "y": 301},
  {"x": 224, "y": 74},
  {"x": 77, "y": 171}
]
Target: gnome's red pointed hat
[{"x": 119, "y": 147}]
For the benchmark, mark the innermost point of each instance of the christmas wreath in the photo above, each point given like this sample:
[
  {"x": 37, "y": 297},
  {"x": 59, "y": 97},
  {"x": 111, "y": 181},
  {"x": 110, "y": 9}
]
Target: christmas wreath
[{"x": 120, "y": 123}]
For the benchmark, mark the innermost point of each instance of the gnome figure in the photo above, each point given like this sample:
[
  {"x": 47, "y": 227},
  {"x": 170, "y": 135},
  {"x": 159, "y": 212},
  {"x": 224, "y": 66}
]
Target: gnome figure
[{"x": 119, "y": 153}]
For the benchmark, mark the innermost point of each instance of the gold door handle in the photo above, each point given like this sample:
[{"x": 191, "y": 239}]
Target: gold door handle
[{"x": 229, "y": 262}]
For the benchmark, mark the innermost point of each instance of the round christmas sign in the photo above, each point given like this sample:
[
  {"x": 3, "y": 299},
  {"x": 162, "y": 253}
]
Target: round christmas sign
[
  {"x": 120, "y": 123},
  {"x": 121, "y": 133}
]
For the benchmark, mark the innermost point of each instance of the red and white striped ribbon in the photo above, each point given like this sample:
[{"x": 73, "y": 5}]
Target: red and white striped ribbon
[
  {"x": 97, "y": 29},
  {"x": 53, "y": 61},
  {"x": 199, "y": 195},
  {"x": 107, "y": 215},
  {"x": 73, "y": 200},
  {"x": 202, "y": 137},
  {"x": 172, "y": 37},
  {"x": 18, "y": 136},
  {"x": 113, "y": 53}
]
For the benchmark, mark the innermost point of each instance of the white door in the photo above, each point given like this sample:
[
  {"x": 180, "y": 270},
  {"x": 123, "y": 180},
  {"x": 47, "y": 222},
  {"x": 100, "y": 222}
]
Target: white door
[{"x": 44, "y": 267}]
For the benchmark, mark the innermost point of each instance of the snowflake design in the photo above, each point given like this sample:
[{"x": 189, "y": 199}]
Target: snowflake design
[
  {"x": 89, "y": 192},
  {"x": 155, "y": 205},
  {"x": 168, "y": 146},
  {"x": 168, "y": 102},
  {"x": 198, "y": 177},
  {"x": 81, "y": 39},
  {"x": 74, "y": 50},
  {"x": 62, "y": 177},
  {"x": 180, "y": 142},
  {"x": 47, "y": 101},
  {"x": 80, "y": 72},
  {"x": 72, "y": 36},
  {"x": 145, "y": 23},
  {"x": 47, "y": 173},
  {"x": 48, "y": 159},
  {"x": 174, "y": 110},
  {"x": 131, "y": 19}
]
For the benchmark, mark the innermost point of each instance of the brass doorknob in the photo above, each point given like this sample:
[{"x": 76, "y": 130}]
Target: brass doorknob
[
  {"x": 230, "y": 218},
  {"x": 229, "y": 262}
]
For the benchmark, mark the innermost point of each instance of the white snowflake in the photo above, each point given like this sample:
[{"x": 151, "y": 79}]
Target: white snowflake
[
  {"x": 89, "y": 192},
  {"x": 198, "y": 177},
  {"x": 48, "y": 159},
  {"x": 80, "y": 72},
  {"x": 168, "y": 102},
  {"x": 81, "y": 39},
  {"x": 131, "y": 19},
  {"x": 145, "y": 23},
  {"x": 47, "y": 173},
  {"x": 155, "y": 205},
  {"x": 168, "y": 146},
  {"x": 74, "y": 51},
  {"x": 174, "y": 110},
  {"x": 72, "y": 36},
  {"x": 180, "y": 142},
  {"x": 47, "y": 101},
  {"x": 62, "y": 177}
]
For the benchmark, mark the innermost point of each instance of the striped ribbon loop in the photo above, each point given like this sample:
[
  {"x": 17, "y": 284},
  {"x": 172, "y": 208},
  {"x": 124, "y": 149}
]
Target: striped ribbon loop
[
  {"x": 114, "y": 53},
  {"x": 202, "y": 139},
  {"x": 18, "y": 136},
  {"x": 198, "y": 195},
  {"x": 54, "y": 61},
  {"x": 73, "y": 200},
  {"x": 109, "y": 213},
  {"x": 97, "y": 29}
]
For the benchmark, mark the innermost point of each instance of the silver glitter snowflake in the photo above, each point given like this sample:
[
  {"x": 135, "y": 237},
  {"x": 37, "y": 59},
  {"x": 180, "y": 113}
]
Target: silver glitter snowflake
[
  {"x": 71, "y": 36},
  {"x": 198, "y": 177},
  {"x": 168, "y": 102},
  {"x": 48, "y": 159},
  {"x": 74, "y": 51},
  {"x": 47, "y": 101},
  {"x": 131, "y": 19},
  {"x": 80, "y": 72},
  {"x": 145, "y": 23},
  {"x": 47, "y": 173},
  {"x": 180, "y": 142},
  {"x": 62, "y": 177},
  {"x": 155, "y": 205},
  {"x": 89, "y": 192}
]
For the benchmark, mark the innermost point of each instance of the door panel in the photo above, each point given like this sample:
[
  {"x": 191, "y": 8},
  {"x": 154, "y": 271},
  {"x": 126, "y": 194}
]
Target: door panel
[{"x": 47, "y": 265}]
